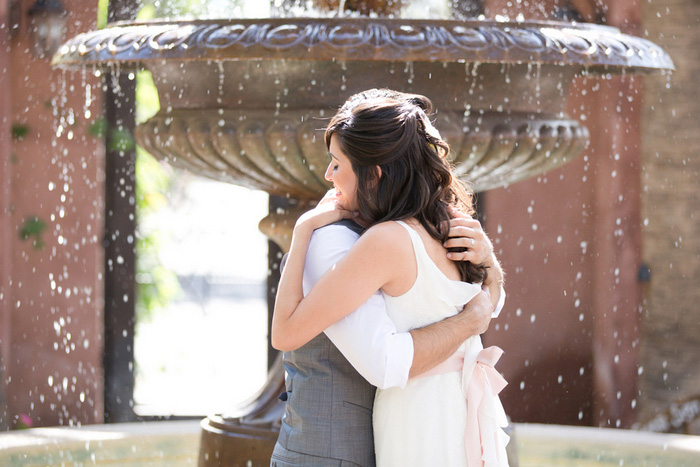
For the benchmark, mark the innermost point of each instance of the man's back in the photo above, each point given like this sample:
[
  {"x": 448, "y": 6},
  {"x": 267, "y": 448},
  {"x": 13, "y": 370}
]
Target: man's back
[
  {"x": 329, "y": 406},
  {"x": 328, "y": 415}
]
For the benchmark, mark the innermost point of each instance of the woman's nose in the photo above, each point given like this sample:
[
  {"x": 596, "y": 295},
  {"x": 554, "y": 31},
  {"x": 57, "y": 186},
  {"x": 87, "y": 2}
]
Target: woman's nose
[{"x": 329, "y": 172}]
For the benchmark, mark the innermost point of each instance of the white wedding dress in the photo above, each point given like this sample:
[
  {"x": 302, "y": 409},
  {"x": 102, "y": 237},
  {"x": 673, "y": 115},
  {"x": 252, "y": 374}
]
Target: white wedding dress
[{"x": 425, "y": 423}]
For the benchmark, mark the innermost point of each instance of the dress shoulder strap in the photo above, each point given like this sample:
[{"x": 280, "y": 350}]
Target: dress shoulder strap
[
  {"x": 418, "y": 245},
  {"x": 415, "y": 237},
  {"x": 455, "y": 293}
]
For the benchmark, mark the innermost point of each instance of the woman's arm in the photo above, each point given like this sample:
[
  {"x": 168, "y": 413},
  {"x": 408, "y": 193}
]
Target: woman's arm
[
  {"x": 346, "y": 286},
  {"x": 369, "y": 339}
]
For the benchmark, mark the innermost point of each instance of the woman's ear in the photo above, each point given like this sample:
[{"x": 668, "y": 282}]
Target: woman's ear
[{"x": 379, "y": 172}]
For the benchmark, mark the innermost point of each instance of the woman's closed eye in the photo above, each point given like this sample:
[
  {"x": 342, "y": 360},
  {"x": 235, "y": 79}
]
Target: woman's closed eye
[{"x": 331, "y": 161}]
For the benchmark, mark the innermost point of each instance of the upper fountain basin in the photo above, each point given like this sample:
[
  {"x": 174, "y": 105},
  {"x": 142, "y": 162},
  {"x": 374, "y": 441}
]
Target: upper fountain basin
[
  {"x": 244, "y": 101},
  {"x": 589, "y": 47}
]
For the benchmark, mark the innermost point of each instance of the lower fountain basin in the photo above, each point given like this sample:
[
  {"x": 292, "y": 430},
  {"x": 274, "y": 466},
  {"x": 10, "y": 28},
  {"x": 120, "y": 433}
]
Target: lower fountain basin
[
  {"x": 176, "y": 444},
  {"x": 135, "y": 444}
]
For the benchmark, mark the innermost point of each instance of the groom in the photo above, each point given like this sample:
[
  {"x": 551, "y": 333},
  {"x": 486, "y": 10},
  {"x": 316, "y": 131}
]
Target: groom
[{"x": 331, "y": 380}]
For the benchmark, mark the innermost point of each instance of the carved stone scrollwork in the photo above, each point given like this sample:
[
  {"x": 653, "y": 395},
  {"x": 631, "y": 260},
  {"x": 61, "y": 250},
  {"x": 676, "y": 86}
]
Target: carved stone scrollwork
[{"x": 382, "y": 39}]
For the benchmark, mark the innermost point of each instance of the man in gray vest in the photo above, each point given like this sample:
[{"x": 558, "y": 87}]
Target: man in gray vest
[{"x": 331, "y": 380}]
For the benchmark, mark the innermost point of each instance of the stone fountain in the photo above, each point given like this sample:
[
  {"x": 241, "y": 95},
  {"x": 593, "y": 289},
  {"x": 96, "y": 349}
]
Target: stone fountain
[{"x": 243, "y": 101}]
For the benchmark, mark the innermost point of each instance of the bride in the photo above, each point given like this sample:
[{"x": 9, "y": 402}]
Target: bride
[{"x": 390, "y": 172}]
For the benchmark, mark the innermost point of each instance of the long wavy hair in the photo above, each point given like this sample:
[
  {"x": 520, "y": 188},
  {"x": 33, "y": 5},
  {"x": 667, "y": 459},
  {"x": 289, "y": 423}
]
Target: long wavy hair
[{"x": 386, "y": 129}]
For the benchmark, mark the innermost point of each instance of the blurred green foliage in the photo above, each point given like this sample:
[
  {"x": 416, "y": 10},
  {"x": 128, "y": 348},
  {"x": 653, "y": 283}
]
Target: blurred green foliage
[
  {"x": 173, "y": 9},
  {"x": 102, "y": 6},
  {"x": 19, "y": 131},
  {"x": 156, "y": 285},
  {"x": 32, "y": 229},
  {"x": 120, "y": 139},
  {"x": 98, "y": 128}
]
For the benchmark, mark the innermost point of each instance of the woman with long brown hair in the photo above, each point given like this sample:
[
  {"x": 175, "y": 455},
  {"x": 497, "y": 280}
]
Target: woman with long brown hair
[{"x": 390, "y": 172}]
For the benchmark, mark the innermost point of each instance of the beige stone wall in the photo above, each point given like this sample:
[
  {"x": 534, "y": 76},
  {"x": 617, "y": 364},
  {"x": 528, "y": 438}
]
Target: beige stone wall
[{"x": 670, "y": 345}]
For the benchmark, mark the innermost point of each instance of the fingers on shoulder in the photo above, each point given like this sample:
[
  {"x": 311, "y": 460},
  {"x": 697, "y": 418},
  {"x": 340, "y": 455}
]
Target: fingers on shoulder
[
  {"x": 469, "y": 255},
  {"x": 461, "y": 241},
  {"x": 465, "y": 222},
  {"x": 457, "y": 213},
  {"x": 464, "y": 227}
]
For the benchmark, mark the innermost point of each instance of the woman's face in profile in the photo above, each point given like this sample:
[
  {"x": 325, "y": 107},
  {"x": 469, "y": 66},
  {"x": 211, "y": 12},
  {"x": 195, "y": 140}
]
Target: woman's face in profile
[{"x": 340, "y": 173}]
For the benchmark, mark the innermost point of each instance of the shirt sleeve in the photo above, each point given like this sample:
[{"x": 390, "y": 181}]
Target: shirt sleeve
[
  {"x": 367, "y": 337},
  {"x": 499, "y": 305}
]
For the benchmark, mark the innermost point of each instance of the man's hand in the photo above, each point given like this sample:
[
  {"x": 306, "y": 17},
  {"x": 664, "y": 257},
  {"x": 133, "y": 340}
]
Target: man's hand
[
  {"x": 476, "y": 315},
  {"x": 468, "y": 234}
]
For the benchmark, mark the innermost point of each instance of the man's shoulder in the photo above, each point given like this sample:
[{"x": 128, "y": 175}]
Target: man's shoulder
[
  {"x": 350, "y": 224},
  {"x": 328, "y": 244},
  {"x": 338, "y": 231}
]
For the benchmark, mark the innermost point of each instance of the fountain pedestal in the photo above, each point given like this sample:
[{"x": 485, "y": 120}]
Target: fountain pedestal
[{"x": 246, "y": 438}]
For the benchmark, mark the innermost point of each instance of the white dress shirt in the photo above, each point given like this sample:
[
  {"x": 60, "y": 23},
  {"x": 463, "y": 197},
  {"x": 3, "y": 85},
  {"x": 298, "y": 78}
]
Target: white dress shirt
[{"x": 367, "y": 337}]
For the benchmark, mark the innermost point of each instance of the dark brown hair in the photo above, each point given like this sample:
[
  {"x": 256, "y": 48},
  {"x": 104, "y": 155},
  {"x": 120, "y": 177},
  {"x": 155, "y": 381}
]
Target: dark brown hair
[{"x": 392, "y": 131}]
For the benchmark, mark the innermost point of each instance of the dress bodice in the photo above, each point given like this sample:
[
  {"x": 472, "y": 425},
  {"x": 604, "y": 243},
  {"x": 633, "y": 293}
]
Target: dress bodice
[{"x": 433, "y": 296}]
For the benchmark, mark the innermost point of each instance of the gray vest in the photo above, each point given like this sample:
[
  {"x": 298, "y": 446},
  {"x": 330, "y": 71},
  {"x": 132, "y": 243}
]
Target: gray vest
[{"x": 329, "y": 405}]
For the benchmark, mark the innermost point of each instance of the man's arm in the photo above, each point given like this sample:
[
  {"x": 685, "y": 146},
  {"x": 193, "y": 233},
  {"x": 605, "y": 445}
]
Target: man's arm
[
  {"x": 435, "y": 343},
  {"x": 368, "y": 338}
]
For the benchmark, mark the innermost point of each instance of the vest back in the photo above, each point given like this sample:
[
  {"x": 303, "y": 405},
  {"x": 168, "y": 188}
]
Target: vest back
[{"x": 329, "y": 405}]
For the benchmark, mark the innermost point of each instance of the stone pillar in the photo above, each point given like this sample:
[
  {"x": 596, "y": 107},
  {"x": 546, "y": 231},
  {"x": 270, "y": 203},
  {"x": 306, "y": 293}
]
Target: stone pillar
[
  {"x": 617, "y": 243},
  {"x": 669, "y": 370},
  {"x": 616, "y": 247},
  {"x": 5, "y": 148},
  {"x": 120, "y": 249},
  {"x": 120, "y": 235},
  {"x": 51, "y": 241},
  {"x": 570, "y": 242}
]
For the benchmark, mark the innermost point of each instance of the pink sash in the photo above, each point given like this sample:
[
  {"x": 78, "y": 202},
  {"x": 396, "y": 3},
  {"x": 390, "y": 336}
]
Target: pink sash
[{"x": 484, "y": 439}]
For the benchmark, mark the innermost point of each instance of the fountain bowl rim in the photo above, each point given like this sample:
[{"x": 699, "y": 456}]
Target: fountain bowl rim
[{"x": 591, "y": 47}]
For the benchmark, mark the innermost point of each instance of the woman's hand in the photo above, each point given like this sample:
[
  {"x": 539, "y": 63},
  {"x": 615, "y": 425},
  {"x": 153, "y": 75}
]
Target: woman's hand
[
  {"x": 329, "y": 197},
  {"x": 326, "y": 212},
  {"x": 466, "y": 232}
]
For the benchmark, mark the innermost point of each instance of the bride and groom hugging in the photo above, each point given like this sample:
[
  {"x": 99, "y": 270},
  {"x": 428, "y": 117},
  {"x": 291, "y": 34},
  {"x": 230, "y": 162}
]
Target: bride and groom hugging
[{"x": 379, "y": 309}]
